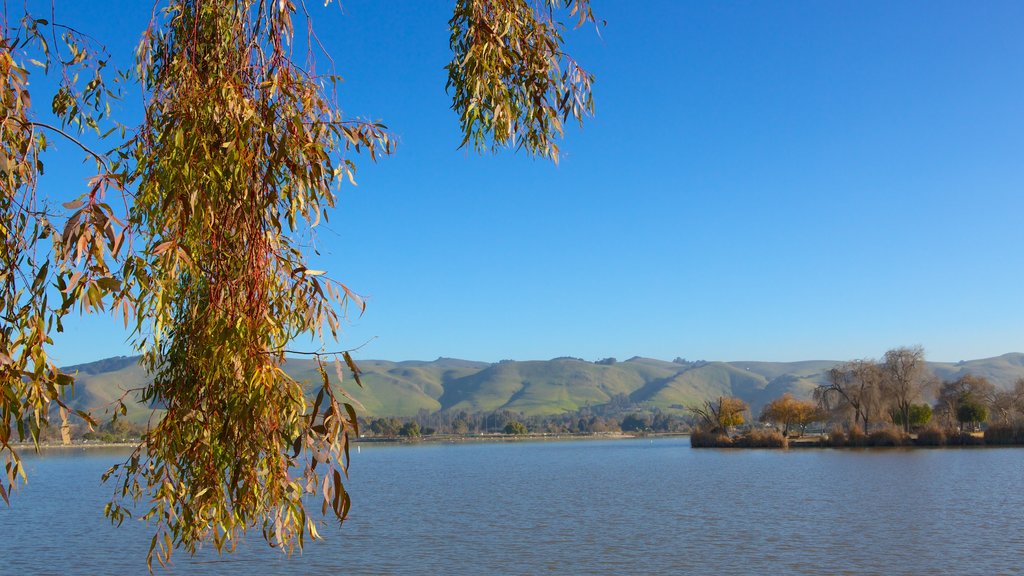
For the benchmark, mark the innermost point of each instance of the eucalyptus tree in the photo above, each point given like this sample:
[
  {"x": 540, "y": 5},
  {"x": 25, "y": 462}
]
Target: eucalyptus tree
[{"x": 237, "y": 159}]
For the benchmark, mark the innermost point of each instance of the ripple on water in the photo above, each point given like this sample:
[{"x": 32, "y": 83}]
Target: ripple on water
[{"x": 623, "y": 507}]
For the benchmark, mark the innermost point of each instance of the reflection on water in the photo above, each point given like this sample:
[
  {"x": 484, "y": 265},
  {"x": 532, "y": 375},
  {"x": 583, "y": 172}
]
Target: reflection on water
[{"x": 622, "y": 507}]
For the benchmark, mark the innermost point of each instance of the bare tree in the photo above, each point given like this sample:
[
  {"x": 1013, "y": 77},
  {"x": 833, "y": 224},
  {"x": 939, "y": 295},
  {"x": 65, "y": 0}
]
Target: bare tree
[
  {"x": 1008, "y": 405},
  {"x": 906, "y": 379},
  {"x": 856, "y": 386}
]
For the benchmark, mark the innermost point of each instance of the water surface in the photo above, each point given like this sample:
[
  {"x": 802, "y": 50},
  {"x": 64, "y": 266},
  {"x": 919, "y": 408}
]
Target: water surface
[{"x": 596, "y": 507}]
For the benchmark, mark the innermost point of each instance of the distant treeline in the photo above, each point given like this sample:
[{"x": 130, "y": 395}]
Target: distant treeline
[{"x": 619, "y": 415}]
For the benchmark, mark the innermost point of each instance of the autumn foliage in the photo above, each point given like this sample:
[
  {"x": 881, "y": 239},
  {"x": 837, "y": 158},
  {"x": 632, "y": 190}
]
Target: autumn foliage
[
  {"x": 193, "y": 232},
  {"x": 721, "y": 415},
  {"x": 790, "y": 413}
]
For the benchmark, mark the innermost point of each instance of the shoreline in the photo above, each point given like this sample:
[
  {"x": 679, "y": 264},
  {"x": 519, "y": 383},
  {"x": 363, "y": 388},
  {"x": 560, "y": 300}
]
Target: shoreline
[
  {"x": 800, "y": 443},
  {"x": 432, "y": 439}
]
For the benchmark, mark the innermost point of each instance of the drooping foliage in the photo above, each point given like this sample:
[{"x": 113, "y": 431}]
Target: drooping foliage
[
  {"x": 32, "y": 252},
  {"x": 512, "y": 83},
  {"x": 235, "y": 164}
]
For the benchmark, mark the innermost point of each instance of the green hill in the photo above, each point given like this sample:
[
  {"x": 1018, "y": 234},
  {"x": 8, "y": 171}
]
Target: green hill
[{"x": 533, "y": 387}]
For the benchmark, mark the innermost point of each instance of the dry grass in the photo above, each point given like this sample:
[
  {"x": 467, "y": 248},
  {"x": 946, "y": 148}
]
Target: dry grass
[
  {"x": 1003, "y": 435},
  {"x": 836, "y": 437},
  {"x": 702, "y": 439},
  {"x": 856, "y": 437},
  {"x": 887, "y": 437},
  {"x": 762, "y": 439},
  {"x": 931, "y": 436},
  {"x": 957, "y": 438},
  {"x": 749, "y": 439}
]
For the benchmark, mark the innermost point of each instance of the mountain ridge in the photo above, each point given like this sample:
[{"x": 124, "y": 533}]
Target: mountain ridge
[{"x": 536, "y": 387}]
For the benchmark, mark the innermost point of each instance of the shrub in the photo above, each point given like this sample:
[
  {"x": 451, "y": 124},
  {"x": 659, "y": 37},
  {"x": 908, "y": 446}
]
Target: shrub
[
  {"x": 887, "y": 437},
  {"x": 920, "y": 414},
  {"x": 702, "y": 439},
  {"x": 515, "y": 427},
  {"x": 836, "y": 437},
  {"x": 1003, "y": 434},
  {"x": 856, "y": 437},
  {"x": 762, "y": 439},
  {"x": 931, "y": 436},
  {"x": 971, "y": 412}
]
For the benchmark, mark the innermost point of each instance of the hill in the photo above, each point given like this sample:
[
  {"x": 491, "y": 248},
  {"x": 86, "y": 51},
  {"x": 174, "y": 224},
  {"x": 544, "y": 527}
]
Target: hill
[{"x": 537, "y": 386}]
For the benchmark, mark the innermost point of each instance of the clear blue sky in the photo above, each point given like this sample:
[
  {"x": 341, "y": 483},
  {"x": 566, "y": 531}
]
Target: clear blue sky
[{"x": 762, "y": 181}]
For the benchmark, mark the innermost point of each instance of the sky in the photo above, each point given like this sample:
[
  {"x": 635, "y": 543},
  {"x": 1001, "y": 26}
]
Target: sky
[{"x": 761, "y": 181}]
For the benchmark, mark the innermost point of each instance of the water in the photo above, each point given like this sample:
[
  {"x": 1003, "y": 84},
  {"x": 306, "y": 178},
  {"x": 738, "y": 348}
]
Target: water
[{"x": 596, "y": 507}]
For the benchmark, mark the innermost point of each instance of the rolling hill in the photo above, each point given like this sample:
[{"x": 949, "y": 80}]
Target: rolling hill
[{"x": 536, "y": 387}]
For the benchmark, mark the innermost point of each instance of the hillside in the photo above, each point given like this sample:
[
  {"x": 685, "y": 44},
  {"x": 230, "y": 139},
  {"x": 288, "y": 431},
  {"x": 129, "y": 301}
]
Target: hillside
[{"x": 537, "y": 387}]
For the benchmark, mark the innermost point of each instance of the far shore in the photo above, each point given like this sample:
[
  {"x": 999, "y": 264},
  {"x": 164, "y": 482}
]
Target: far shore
[
  {"x": 433, "y": 438},
  {"x": 797, "y": 442}
]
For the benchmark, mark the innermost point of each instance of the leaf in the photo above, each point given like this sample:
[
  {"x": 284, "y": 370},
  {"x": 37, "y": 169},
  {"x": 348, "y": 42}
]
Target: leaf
[
  {"x": 352, "y": 418},
  {"x": 162, "y": 247},
  {"x": 87, "y": 417},
  {"x": 338, "y": 369},
  {"x": 319, "y": 399},
  {"x": 339, "y": 490},
  {"x": 308, "y": 272},
  {"x": 73, "y": 282},
  {"x": 109, "y": 284},
  {"x": 74, "y": 204},
  {"x": 352, "y": 366}
]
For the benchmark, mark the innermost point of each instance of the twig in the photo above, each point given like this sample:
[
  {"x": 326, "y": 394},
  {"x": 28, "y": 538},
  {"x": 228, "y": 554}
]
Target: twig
[
  {"x": 98, "y": 157},
  {"x": 322, "y": 352}
]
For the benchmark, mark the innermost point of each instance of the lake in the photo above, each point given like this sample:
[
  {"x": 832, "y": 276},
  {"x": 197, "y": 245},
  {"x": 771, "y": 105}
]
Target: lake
[{"x": 586, "y": 507}]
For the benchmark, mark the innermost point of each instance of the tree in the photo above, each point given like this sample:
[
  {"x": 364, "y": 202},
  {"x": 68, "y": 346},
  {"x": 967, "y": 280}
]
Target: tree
[
  {"x": 722, "y": 415},
  {"x": 790, "y": 412},
  {"x": 460, "y": 426},
  {"x": 1007, "y": 405},
  {"x": 906, "y": 378},
  {"x": 635, "y": 423},
  {"x": 920, "y": 414},
  {"x": 515, "y": 427},
  {"x": 410, "y": 429},
  {"x": 235, "y": 162},
  {"x": 856, "y": 386},
  {"x": 952, "y": 394},
  {"x": 972, "y": 412},
  {"x": 389, "y": 427}
]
